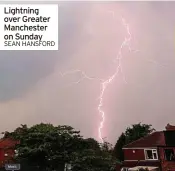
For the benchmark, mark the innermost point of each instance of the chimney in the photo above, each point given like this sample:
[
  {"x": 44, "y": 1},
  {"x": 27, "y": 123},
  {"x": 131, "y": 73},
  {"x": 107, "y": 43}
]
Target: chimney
[{"x": 170, "y": 127}]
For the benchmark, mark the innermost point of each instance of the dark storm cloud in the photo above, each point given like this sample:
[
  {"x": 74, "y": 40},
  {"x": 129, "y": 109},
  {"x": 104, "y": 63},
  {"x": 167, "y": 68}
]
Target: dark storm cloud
[{"x": 19, "y": 71}]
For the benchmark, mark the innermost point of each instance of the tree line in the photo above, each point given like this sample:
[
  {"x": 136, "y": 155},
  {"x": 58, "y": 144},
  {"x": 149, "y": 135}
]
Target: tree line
[{"x": 49, "y": 147}]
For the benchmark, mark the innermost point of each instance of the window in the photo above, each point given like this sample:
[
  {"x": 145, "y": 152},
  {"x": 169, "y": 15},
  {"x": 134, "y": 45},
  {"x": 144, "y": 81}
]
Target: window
[
  {"x": 151, "y": 154},
  {"x": 169, "y": 155}
]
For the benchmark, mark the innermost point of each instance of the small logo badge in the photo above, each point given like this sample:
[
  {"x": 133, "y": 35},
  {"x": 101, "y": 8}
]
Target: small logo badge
[{"x": 12, "y": 167}]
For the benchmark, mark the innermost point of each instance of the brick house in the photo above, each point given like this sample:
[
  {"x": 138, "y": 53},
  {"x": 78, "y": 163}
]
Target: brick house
[
  {"x": 154, "y": 152},
  {"x": 7, "y": 151}
]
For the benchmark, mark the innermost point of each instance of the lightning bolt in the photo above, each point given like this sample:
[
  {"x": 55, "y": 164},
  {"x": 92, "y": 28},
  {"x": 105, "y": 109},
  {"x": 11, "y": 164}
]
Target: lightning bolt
[
  {"x": 83, "y": 76},
  {"x": 105, "y": 83},
  {"x": 119, "y": 67}
]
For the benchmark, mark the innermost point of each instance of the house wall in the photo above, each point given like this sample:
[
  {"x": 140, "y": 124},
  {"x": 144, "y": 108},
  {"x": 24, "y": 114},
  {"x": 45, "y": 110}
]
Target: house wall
[
  {"x": 1, "y": 157},
  {"x": 6, "y": 159},
  {"x": 137, "y": 158},
  {"x": 166, "y": 165},
  {"x": 6, "y": 147},
  {"x": 134, "y": 154}
]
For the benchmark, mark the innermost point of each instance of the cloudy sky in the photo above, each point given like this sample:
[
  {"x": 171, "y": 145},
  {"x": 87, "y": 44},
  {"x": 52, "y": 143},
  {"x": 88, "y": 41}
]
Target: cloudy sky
[{"x": 32, "y": 89}]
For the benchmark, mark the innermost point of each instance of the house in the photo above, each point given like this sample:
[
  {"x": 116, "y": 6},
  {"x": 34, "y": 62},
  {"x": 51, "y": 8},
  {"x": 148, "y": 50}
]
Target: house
[
  {"x": 7, "y": 151},
  {"x": 153, "y": 152}
]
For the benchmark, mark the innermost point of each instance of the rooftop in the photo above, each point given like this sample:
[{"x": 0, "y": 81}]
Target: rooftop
[{"x": 152, "y": 140}]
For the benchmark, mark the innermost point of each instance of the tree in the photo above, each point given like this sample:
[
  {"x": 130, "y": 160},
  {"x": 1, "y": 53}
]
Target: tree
[
  {"x": 95, "y": 159},
  {"x": 106, "y": 147},
  {"x": 46, "y": 146},
  {"x": 118, "y": 152},
  {"x": 91, "y": 143},
  {"x": 131, "y": 134},
  {"x": 137, "y": 131}
]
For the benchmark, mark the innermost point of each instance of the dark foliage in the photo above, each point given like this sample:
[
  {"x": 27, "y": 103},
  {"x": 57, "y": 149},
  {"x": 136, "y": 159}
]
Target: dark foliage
[{"x": 48, "y": 147}]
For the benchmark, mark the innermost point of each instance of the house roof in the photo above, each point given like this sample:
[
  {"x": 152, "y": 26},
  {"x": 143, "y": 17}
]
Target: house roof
[
  {"x": 7, "y": 143},
  {"x": 153, "y": 140}
]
